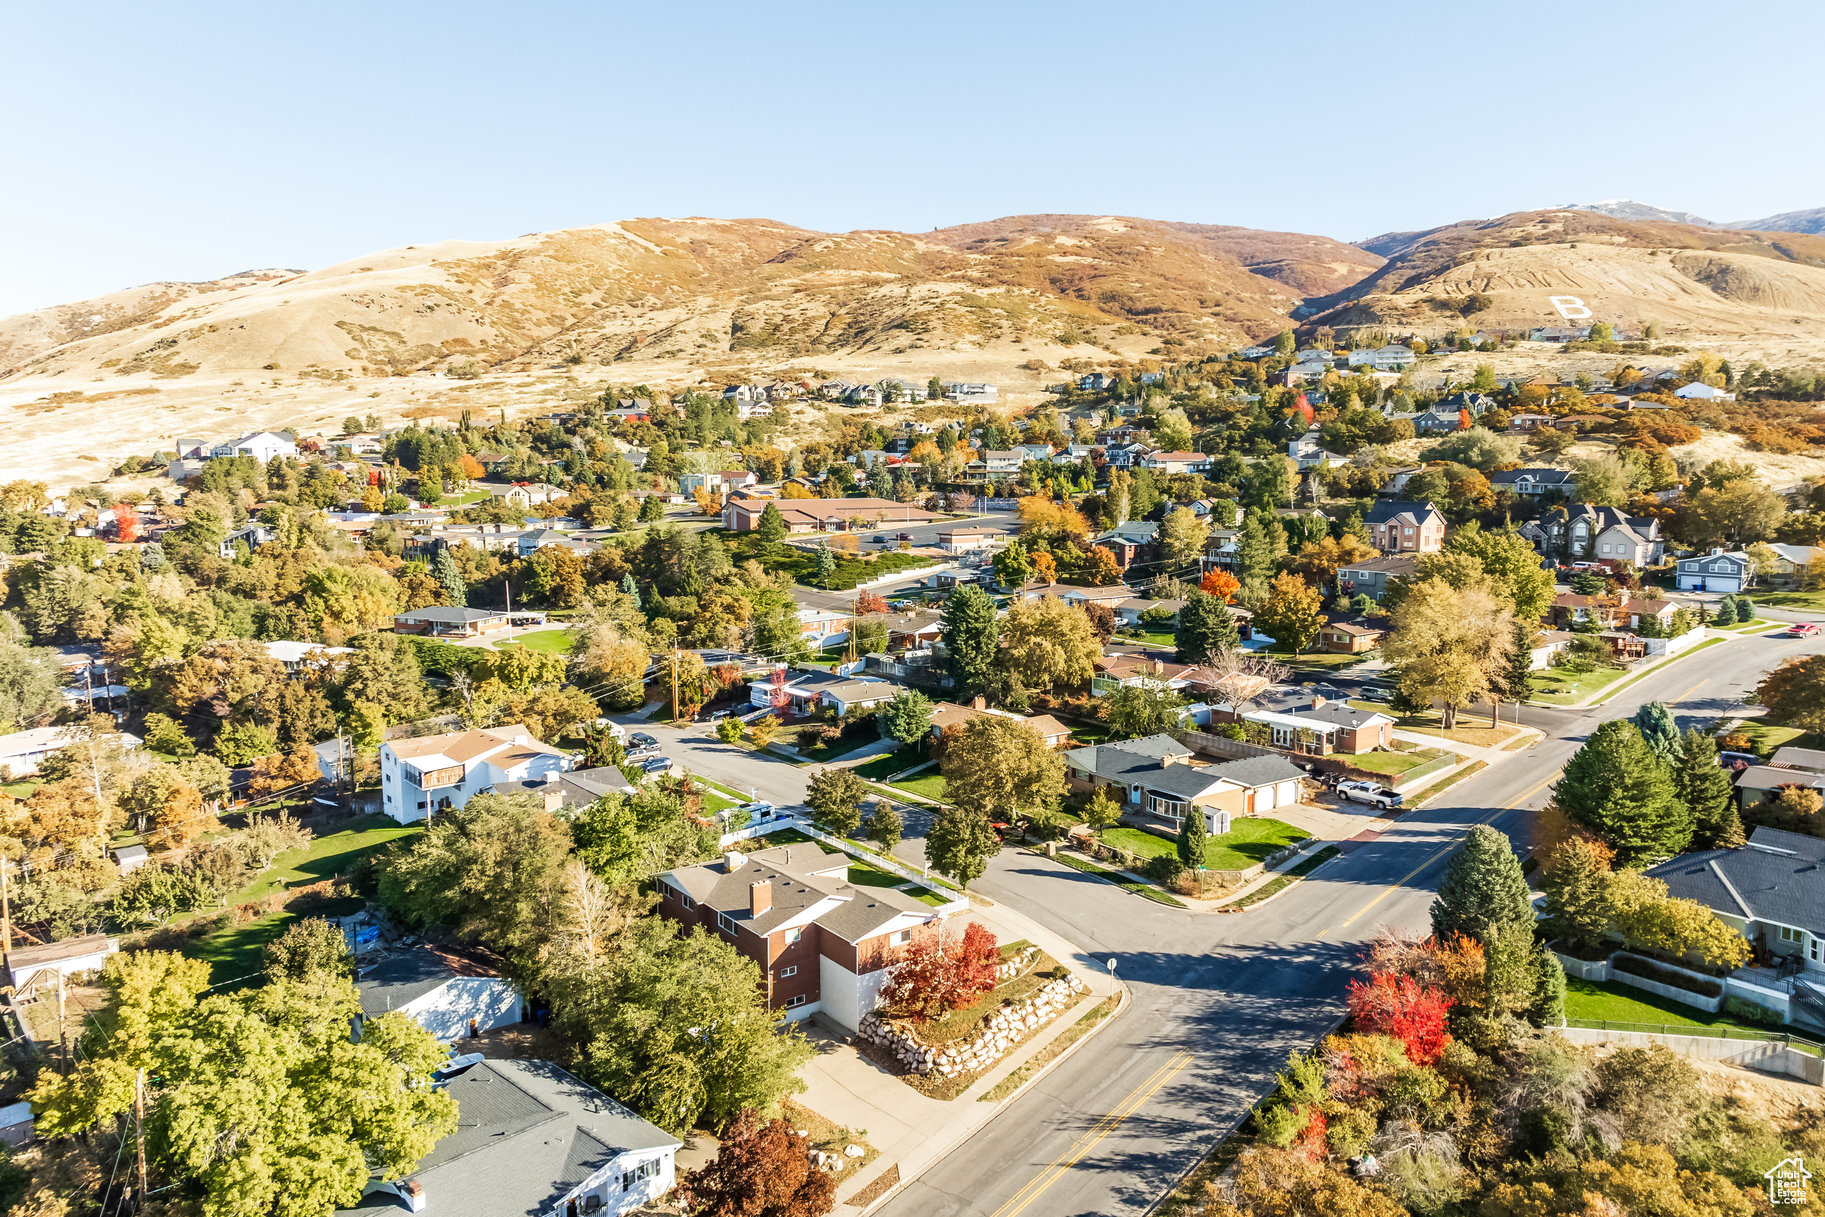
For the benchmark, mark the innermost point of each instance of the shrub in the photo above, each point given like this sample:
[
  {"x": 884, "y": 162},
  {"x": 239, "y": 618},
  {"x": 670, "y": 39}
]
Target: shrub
[
  {"x": 1401, "y": 1007},
  {"x": 1647, "y": 969},
  {"x": 1749, "y": 1012},
  {"x": 1165, "y": 870}
]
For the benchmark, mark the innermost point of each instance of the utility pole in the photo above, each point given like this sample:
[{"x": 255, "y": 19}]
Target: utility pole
[
  {"x": 507, "y": 590},
  {"x": 6, "y": 910},
  {"x": 139, "y": 1128},
  {"x": 674, "y": 682}
]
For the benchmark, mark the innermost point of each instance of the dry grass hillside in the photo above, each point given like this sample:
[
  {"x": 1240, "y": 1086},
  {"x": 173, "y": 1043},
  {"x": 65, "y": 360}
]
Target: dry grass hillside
[
  {"x": 1702, "y": 285},
  {"x": 548, "y": 316}
]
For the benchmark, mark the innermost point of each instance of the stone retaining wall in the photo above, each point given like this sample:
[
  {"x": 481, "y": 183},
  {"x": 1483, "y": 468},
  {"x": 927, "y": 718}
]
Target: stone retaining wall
[
  {"x": 1016, "y": 963},
  {"x": 1000, "y": 1032}
]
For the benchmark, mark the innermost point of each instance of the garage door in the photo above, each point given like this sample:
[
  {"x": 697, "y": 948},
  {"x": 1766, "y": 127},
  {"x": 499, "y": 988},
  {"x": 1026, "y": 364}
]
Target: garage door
[{"x": 1264, "y": 799}]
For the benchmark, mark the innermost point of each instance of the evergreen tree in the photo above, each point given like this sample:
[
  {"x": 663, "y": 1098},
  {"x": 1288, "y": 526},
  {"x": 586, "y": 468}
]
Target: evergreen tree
[
  {"x": 1548, "y": 1009},
  {"x": 443, "y": 569},
  {"x": 629, "y": 587},
  {"x": 1745, "y": 609},
  {"x": 826, "y": 565},
  {"x": 971, "y": 636},
  {"x": 771, "y": 526},
  {"x": 1577, "y": 894},
  {"x": 1205, "y": 628},
  {"x": 1617, "y": 788},
  {"x": 1482, "y": 889},
  {"x": 1661, "y": 733},
  {"x": 652, "y": 510},
  {"x": 1726, "y": 611},
  {"x": 1511, "y": 680},
  {"x": 1191, "y": 838},
  {"x": 1704, "y": 787}
]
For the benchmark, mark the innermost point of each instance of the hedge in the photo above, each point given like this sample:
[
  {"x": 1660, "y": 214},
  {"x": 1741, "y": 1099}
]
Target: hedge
[{"x": 1634, "y": 965}]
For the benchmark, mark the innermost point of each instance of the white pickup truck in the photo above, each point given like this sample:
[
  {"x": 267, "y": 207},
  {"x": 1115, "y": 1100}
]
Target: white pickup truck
[{"x": 1368, "y": 792}]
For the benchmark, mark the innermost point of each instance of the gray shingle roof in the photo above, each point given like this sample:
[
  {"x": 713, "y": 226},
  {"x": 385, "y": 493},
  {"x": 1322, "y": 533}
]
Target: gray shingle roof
[
  {"x": 797, "y": 886},
  {"x": 1393, "y": 510},
  {"x": 1776, "y": 878},
  {"x": 408, "y": 976},
  {"x": 528, "y": 1134},
  {"x": 451, "y": 616},
  {"x": 1137, "y": 762}
]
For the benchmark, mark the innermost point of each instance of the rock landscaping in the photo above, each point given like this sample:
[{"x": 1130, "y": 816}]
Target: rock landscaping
[{"x": 999, "y": 1032}]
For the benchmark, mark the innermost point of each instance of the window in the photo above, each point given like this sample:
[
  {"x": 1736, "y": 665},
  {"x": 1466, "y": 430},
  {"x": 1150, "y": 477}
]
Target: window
[
  {"x": 1789, "y": 934},
  {"x": 793, "y": 936},
  {"x": 646, "y": 1170},
  {"x": 901, "y": 938},
  {"x": 689, "y": 903},
  {"x": 793, "y": 1003},
  {"x": 726, "y": 922},
  {"x": 785, "y": 972}
]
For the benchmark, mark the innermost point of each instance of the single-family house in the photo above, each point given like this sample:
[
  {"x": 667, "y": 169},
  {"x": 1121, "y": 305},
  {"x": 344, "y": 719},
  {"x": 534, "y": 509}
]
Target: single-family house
[
  {"x": 561, "y": 790},
  {"x": 1177, "y": 462},
  {"x": 1128, "y": 612},
  {"x": 1308, "y": 451},
  {"x": 965, "y": 540},
  {"x": 526, "y": 494},
  {"x": 1791, "y": 563},
  {"x": 822, "y": 515},
  {"x": 66, "y": 957},
  {"x": 823, "y": 945},
  {"x": 1126, "y": 456},
  {"x": 720, "y": 482},
  {"x": 1716, "y": 571},
  {"x": 1400, "y": 526},
  {"x": 451, "y": 995},
  {"x": 1570, "y": 608},
  {"x": 262, "y": 446},
  {"x": 1699, "y": 391},
  {"x": 1586, "y": 532},
  {"x": 910, "y": 631},
  {"x": 996, "y": 462},
  {"x": 1254, "y": 352},
  {"x": 948, "y": 714},
  {"x": 1371, "y": 576},
  {"x": 966, "y": 391},
  {"x": 1097, "y": 595},
  {"x": 298, "y": 656},
  {"x": 1338, "y": 727},
  {"x": 436, "y": 772},
  {"x": 1478, "y": 404},
  {"x": 1156, "y": 778},
  {"x": 1547, "y": 645},
  {"x": 1095, "y": 382},
  {"x": 1034, "y": 452},
  {"x": 533, "y": 1140},
  {"x": 21, "y": 752},
  {"x": 444, "y": 621},
  {"x": 1392, "y": 358},
  {"x": 1534, "y": 482},
  {"x": 533, "y": 540},
  {"x": 1770, "y": 889},
  {"x": 1349, "y": 636}
]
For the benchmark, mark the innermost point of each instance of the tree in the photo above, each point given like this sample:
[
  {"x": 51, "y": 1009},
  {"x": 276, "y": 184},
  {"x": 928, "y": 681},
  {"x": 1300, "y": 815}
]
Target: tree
[
  {"x": 1617, "y": 788},
  {"x": 1219, "y": 583},
  {"x": 1192, "y": 833},
  {"x": 971, "y": 636},
  {"x": 1172, "y": 431},
  {"x": 906, "y": 718},
  {"x": 772, "y": 525},
  {"x": 1512, "y": 566},
  {"x": 29, "y": 686},
  {"x": 257, "y": 1099},
  {"x": 1400, "y": 1006},
  {"x": 1012, "y": 565},
  {"x": 1658, "y": 730},
  {"x": 1285, "y": 343},
  {"x": 444, "y": 570},
  {"x": 1205, "y": 628},
  {"x": 1794, "y": 693},
  {"x": 761, "y": 1169},
  {"x": 1447, "y": 644},
  {"x": 885, "y": 826},
  {"x": 960, "y": 843},
  {"x": 1100, "y": 810},
  {"x": 1048, "y": 643},
  {"x": 1738, "y": 512},
  {"x": 1647, "y": 917},
  {"x": 1292, "y": 614},
  {"x": 1703, "y": 786},
  {"x": 1001, "y": 767},
  {"x": 652, "y": 510},
  {"x": 309, "y": 949},
  {"x": 763, "y": 730},
  {"x": 930, "y": 978},
  {"x": 1181, "y": 538},
  {"x": 1482, "y": 889},
  {"x": 836, "y": 796},
  {"x": 1137, "y": 710},
  {"x": 1577, "y": 893},
  {"x": 1269, "y": 1182}
]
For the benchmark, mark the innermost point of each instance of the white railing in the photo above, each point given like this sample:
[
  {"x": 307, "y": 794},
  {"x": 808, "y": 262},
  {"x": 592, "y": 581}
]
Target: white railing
[{"x": 957, "y": 903}]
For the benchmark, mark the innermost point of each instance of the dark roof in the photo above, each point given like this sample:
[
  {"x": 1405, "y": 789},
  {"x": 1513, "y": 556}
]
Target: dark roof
[
  {"x": 1550, "y": 477},
  {"x": 1137, "y": 762},
  {"x": 529, "y": 1134},
  {"x": 408, "y": 976},
  {"x": 1391, "y": 564},
  {"x": 444, "y": 615},
  {"x": 576, "y": 788},
  {"x": 1256, "y": 770},
  {"x": 1777, "y": 877},
  {"x": 801, "y": 877},
  {"x": 1394, "y": 509},
  {"x": 1341, "y": 714}
]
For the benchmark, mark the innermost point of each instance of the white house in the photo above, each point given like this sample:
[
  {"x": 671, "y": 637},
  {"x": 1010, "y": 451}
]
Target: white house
[
  {"x": 22, "y": 751},
  {"x": 970, "y": 391},
  {"x": 1177, "y": 462},
  {"x": 1700, "y": 391},
  {"x": 1717, "y": 571},
  {"x": 65, "y": 957},
  {"x": 720, "y": 482},
  {"x": 438, "y": 772},
  {"x": 1393, "y": 358},
  {"x": 449, "y": 995},
  {"x": 533, "y": 1139},
  {"x": 261, "y": 445}
]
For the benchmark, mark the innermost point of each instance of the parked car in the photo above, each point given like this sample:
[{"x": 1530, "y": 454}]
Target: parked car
[
  {"x": 1377, "y": 693},
  {"x": 658, "y": 764},
  {"x": 641, "y": 739},
  {"x": 905, "y": 536},
  {"x": 1368, "y": 792},
  {"x": 880, "y": 538},
  {"x": 1738, "y": 760},
  {"x": 757, "y": 811},
  {"x": 1803, "y": 629},
  {"x": 716, "y": 715}
]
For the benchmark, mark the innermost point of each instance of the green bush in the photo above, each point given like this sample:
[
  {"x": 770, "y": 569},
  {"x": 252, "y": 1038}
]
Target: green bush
[
  {"x": 1749, "y": 1012},
  {"x": 1165, "y": 870}
]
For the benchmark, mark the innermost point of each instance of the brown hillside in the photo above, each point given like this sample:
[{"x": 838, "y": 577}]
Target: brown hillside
[{"x": 1700, "y": 284}]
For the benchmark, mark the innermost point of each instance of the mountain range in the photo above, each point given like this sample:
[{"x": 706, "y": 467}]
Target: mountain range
[
  {"x": 1810, "y": 221},
  {"x": 426, "y": 330}
]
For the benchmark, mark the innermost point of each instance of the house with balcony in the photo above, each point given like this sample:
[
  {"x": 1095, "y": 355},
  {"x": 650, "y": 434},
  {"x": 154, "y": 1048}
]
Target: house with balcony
[
  {"x": 420, "y": 777},
  {"x": 1588, "y": 533}
]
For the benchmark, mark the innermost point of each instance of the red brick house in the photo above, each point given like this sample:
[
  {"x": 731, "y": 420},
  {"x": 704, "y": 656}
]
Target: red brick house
[{"x": 822, "y": 944}]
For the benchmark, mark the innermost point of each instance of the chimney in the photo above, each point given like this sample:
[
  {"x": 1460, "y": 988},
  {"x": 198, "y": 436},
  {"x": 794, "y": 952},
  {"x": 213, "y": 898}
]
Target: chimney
[
  {"x": 413, "y": 1192},
  {"x": 1317, "y": 701},
  {"x": 760, "y": 897},
  {"x": 979, "y": 702},
  {"x": 733, "y": 861}
]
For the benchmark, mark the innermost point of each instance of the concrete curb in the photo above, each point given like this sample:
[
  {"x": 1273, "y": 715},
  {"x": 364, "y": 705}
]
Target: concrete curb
[{"x": 1126, "y": 999}]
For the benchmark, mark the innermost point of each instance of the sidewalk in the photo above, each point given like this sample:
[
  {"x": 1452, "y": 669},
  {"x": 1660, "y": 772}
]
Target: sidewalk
[{"x": 912, "y": 1131}]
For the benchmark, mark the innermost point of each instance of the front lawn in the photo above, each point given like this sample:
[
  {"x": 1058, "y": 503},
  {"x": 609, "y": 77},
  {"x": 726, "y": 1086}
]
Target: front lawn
[
  {"x": 929, "y": 784},
  {"x": 235, "y": 953},
  {"x": 801, "y": 564},
  {"x": 1764, "y": 738},
  {"x": 883, "y": 767},
  {"x": 1471, "y": 729},
  {"x": 1388, "y": 764},
  {"x": 1248, "y": 841},
  {"x": 1157, "y": 638},
  {"x": 551, "y": 642},
  {"x": 1814, "y": 600},
  {"x": 326, "y": 857},
  {"x": 864, "y": 875},
  {"x": 1560, "y": 687},
  {"x": 1323, "y": 661},
  {"x": 1610, "y": 1002}
]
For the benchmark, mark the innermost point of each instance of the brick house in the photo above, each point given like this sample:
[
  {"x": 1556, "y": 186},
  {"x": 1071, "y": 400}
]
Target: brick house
[
  {"x": 822, "y": 944},
  {"x": 1405, "y": 527},
  {"x": 1349, "y": 637}
]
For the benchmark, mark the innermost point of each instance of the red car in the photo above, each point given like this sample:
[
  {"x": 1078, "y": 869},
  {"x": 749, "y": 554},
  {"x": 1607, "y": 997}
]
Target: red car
[{"x": 1803, "y": 629}]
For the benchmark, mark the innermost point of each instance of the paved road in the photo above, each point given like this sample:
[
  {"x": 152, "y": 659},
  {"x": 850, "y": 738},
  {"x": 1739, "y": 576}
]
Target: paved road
[{"x": 1220, "y": 1000}]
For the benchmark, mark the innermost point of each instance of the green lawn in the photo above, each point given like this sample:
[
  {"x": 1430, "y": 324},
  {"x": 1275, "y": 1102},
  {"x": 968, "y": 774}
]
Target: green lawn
[
  {"x": 864, "y": 875},
  {"x": 929, "y": 784},
  {"x": 801, "y": 564},
  {"x": 326, "y": 857},
  {"x": 1746, "y": 627},
  {"x": 1248, "y": 841},
  {"x": 1388, "y": 764},
  {"x": 552, "y": 642},
  {"x": 1316, "y": 660},
  {"x": 1158, "y": 638},
  {"x": 883, "y": 767},
  {"x": 1618, "y": 1003},
  {"x": 1792, "y": 600},
  {"x": 234, "y": 952},
  {"x": 1558, "y": 687},
  {"x": 21, "y": 789},
  {"x": 1764, "y": 738}
]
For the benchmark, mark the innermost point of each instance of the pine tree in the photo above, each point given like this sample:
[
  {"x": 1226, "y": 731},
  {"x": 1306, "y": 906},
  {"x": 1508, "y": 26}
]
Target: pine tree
[
  {"x": 443, "y": 569},
  {"x": 971, "y": 636},
  {"x": 1577, "y": 894},
  {"x": 1191, "y": 838},
  {"x": 652, "y": 510},
  {"x": 1661, "y": 733},
  {"x": 1205, "y": 628},
  {"x": 1548, "y": 1009},
  {"x": 772, "y": 526},
  {"x": 1745, "y": 609},
  {"x": 629, "y": 587},
  {"x": 1483, "y": 889},
  {"x": 1512, "y": 680},
  {"x": 1704, "y": 787},
  {"x": 1617, "y": 788}
]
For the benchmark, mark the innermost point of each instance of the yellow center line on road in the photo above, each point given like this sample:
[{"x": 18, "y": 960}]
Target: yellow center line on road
[
  {"x": 1695, "y": 688},
  {"x": 1439, "y": 853},
  {"x": 1036, "y": 1186}
]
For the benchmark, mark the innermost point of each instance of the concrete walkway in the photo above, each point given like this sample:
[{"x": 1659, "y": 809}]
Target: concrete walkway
[{"x": 910, "y": 1130}]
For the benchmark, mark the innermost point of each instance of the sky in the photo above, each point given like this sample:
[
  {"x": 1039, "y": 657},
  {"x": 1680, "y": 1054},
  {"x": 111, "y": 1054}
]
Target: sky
[{"x": 193, "y": 140}]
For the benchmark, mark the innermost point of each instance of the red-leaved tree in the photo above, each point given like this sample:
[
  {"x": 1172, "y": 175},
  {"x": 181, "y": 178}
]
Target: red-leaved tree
[
  {"x": 870, "y": 602},
  {"x": 1401, "y": 1007},
  {"x": 931, "y": 977},
  {"x": 126, "y": 522},
  {"x": 1220, "y": 583},
  {"x": 760, "y": 1170}
]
